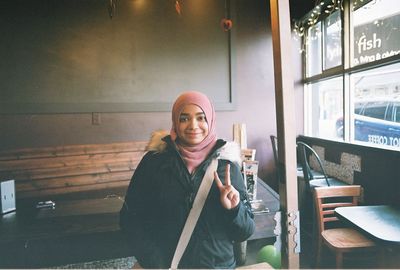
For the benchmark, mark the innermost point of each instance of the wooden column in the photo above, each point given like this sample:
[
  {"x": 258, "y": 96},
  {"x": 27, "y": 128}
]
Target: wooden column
[{"x": 286, "y": 127}]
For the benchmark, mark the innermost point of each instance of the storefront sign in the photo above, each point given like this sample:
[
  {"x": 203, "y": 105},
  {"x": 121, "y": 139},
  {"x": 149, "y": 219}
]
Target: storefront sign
[{"x": 376, "y": 40}]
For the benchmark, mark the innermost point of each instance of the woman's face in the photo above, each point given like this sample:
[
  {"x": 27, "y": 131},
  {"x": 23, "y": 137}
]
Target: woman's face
[{"x": 192, "y": 127}]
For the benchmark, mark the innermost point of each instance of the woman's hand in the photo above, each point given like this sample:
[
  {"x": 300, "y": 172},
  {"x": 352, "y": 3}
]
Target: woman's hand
[{"x": 229, "y": 196}]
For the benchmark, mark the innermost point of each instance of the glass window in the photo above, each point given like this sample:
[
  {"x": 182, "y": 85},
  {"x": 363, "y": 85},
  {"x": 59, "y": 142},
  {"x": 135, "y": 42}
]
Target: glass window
[
  {"x": 377, "y": 109},
  {"x": 332, "y": 40},
  {"x": 358, "y": 104},
  {"x": 397, "y": 112},
  {"x": 376, "y": 106},
  {"x": 376, "y": 31},
  {"x": 314, "y": 50},
  {"x": 326, "y": 108}
]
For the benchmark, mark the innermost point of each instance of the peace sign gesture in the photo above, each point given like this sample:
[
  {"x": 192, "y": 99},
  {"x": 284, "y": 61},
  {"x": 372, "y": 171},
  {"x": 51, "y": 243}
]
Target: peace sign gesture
[{"x": 229, "y": 196}]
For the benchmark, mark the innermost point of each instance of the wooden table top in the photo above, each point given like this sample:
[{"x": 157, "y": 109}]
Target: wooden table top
[
  {"x": 380, "y": 221},
  {"x": 72, "y": 217}
]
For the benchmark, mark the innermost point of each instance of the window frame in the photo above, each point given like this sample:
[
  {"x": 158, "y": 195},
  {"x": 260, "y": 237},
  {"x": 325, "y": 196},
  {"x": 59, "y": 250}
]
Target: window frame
[{"x": 345, "y": 70}]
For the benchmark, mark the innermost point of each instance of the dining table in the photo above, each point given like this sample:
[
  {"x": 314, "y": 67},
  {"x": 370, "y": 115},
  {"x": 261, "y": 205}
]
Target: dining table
[
  {"x": 379, "y": 221},
  {"x": 75, "y": 230}
]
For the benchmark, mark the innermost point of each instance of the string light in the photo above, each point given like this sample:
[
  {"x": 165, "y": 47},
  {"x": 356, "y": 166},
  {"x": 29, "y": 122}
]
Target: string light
[{"x": 321, "y": 7}]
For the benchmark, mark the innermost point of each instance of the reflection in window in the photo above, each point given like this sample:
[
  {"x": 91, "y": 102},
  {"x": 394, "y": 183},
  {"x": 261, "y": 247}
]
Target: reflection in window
[
  {"x": 376, "y": 110},
  {"x": 397, "y": 112},
  {"x": 377, "y": 105},
  {"x": 314, "y": 50},
  {"x": 327, "y": 108},
  {"x": 333, "y": 40}
]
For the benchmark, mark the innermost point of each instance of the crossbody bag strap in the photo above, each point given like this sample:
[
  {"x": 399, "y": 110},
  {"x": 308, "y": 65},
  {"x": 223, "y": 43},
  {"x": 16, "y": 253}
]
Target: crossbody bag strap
[{"x": 194, "y": 213}]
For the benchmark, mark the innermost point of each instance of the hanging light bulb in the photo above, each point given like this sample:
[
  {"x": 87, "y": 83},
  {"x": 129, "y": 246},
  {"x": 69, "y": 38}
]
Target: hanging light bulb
[
  {"x": 226, "y": 23},
  {"x": 178, "y": 7}
]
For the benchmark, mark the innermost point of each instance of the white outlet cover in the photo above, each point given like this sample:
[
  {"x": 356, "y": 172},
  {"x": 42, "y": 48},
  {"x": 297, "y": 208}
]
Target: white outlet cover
[{"x": 7, "y": 191}]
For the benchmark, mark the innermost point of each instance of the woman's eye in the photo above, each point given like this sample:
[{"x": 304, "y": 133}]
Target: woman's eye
[
  {"x": 201, "y": 118},
  {"x": 183, "y": 119}
]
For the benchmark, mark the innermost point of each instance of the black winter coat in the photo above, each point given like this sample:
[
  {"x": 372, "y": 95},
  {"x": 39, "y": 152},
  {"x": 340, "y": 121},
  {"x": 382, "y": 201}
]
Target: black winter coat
[{"x": 158, "y": 201}]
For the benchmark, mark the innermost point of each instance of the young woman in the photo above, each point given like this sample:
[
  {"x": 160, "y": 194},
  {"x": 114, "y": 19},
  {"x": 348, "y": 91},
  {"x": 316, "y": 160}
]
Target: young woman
[{"x": 165, "y": 183}]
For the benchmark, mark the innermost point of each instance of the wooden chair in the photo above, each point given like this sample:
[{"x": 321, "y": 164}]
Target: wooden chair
[
  {"x": 315, "y": 178},
  {"x": 339, "y": 240},
  {"x": 279, "y": 173},
  {"x": 312, "y": 179}
]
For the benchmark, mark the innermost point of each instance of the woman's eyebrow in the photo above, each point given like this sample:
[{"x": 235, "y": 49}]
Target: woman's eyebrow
[{"x": 199, "y": 113}]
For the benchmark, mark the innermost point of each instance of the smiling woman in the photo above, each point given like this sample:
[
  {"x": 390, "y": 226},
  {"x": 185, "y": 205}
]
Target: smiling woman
[
  {"x": 193, "y": 127},
  {"x": 167, "y": 181}
]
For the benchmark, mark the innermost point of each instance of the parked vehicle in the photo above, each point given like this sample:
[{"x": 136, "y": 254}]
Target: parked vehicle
[{"x": 376, "y": 122}]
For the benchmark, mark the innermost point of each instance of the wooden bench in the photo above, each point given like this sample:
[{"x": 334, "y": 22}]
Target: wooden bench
[
  {"x": 48, "y": 172},
  {"x": 78, "y": 178}
]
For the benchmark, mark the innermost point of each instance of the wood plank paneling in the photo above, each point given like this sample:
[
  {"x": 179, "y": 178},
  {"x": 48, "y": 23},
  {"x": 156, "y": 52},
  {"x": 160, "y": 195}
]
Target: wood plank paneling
[
  {"x": 72, "y": 150},
  {"x": 50, "y": 171},
  {"x": 45, "y": 173},
  {"x": 68, "y": 182},
  {"x": 66, "y": 161},
  {"x": 54, "y": 192}
]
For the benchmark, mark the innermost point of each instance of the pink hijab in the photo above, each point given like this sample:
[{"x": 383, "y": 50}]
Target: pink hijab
[{"x": 194, "y": 155}]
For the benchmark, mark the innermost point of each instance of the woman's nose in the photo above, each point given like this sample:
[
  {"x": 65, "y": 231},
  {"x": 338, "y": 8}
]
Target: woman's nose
[{"x": 194, "y": 123}]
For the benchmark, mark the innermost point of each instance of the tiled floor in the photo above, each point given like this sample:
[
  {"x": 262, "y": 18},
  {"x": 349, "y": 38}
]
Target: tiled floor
[
  {"x": 306, "y": 258},
  {"x": 126, "y": 263}
]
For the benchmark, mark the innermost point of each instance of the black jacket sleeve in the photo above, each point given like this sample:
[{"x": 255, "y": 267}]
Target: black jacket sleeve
[{"x": 135, "y": 218}]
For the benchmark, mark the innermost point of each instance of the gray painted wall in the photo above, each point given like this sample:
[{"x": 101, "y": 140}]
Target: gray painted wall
[{"x": 255, "y": 102}]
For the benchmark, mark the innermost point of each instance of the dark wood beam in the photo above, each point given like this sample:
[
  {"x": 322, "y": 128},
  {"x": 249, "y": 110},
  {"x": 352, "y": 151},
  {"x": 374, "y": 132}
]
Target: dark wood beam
[{"x": 286, "y": 127}]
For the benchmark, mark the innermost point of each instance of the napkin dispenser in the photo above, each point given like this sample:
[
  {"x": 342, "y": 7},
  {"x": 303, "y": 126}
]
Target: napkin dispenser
[{"x": 7, "y": 192}]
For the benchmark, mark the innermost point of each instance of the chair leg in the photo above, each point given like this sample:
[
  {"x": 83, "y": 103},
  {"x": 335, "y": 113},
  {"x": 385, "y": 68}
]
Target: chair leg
[
  {"x": 339, "y": 260},
  {"x": 318, "y": 255},
  {"x": 382, "y": 257}
]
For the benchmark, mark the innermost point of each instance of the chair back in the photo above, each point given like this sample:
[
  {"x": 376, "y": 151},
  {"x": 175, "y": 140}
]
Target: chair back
[
  {"x": 325, "y": 204},
  {"x": 274, "y": 143},
  {"x": 304, "y": 151}
]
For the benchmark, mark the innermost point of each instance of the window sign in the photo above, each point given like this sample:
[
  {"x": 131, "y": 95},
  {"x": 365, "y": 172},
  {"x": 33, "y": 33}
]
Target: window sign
[
  {"x": 332, "y": 40},
  {"x": 376, "y": 31},
  {"x": 314, "y": 50}
]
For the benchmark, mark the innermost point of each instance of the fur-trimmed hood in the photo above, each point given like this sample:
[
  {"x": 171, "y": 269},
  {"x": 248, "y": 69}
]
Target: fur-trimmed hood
[{"x": 229, "y": 151}]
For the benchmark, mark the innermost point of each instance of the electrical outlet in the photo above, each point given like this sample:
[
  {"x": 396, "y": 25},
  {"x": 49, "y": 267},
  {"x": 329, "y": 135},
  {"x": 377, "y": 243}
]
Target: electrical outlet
[
  {"x": 7, "y": 192},
  {"x": 96, "y": 118}
]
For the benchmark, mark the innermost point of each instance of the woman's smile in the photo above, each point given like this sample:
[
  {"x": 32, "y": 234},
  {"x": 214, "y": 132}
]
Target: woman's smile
[
  {"x": 193, "y": 134},
  {"x": 193, "y": 126}
]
